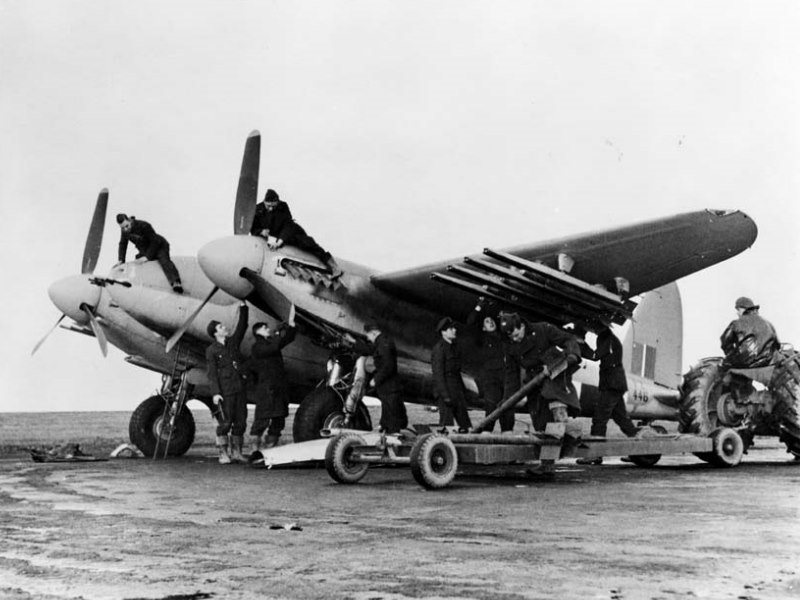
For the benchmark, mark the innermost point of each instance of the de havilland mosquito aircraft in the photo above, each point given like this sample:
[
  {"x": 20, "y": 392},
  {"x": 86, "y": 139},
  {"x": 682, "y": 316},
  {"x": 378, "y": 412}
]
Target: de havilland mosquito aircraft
[{"x": 624, "y": 275}]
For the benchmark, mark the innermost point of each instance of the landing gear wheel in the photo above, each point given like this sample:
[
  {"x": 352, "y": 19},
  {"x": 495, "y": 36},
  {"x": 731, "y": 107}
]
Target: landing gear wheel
[
  {"x": 334, "y": 420},
  {"x": 646, "y": 460},
  {"x": 785, "y": 387},
  {"x": 728, "y": 448},
  {"x": 315, "y": 410},
  {"x": 149, "y": 430},
  {"x": 338, "y": 455},
  {"x": 434, "y": 461}
]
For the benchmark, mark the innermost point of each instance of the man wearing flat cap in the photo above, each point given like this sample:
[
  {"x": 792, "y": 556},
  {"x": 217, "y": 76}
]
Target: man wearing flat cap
[
  {"x": 385, "y": 379},
  {"x": 749, "y": 341},
  {"x": 532, "y": 348},
  {"x": 447, "y": 383}
]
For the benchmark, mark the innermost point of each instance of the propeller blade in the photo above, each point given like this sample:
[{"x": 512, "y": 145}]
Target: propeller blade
[
  {"x": 279, "y": 305},
  {"x": 94, "y": 240},
  {"x": 46, "y": 335},
  {"x": 247, "y": 192},
  {"x": 98, "y": 331},
  {"x": 175, "y": 338}
]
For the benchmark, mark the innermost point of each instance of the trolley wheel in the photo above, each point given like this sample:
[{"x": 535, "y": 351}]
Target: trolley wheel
[
  {"x": 434, "y": 461},
  {"x": 728, "y": 447},
  {"x": 338, "y": 459},
  {"x": 646, "y": 460}
]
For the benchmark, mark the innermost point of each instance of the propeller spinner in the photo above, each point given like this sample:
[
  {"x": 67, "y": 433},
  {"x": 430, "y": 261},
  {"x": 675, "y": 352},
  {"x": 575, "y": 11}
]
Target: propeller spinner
[{"x": 76, "y": 296}]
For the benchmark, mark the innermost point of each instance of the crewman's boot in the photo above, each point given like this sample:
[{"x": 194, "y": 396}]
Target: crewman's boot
[
  {"x": 272, "y": 440},
  {"x": 222, "y": 447},
  {"x": 255, "y": 443},
  {"x": 236, "y": 449}
]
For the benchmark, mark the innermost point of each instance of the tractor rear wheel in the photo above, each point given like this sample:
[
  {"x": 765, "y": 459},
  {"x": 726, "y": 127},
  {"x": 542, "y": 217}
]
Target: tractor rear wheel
[
  {"x": 785, "y": 386},
  {"x": 700, "y": 393},
  {"x": 704, "y": 402}
]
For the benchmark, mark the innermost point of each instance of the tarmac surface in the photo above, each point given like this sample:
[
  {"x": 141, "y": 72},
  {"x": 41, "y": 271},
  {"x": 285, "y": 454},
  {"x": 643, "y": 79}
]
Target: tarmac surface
[{"x": 190, "y": 528}]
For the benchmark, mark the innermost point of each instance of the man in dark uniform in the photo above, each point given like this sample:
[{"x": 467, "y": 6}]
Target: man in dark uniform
[
  {"x": 150, "y": 245},
  {"x": 532, "y": 347},
  {"x": 612, "y": 385},
  {"x": 749, "y": 341},
  {"x": 385, "y": 379},
  {"x": 270, "y": 387},
  {"x": 490, "y": 357},
  {"x": 448, "y": 385},
  {"x": 225, "y": 375},
  {"x": 273, "y": 221}
]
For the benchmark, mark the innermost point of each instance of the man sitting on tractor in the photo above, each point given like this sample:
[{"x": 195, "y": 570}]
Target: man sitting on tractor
[{"x": 749, "y": 341}]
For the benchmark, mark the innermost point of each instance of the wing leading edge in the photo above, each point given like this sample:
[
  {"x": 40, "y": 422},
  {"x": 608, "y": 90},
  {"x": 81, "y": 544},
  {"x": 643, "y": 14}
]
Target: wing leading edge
[{"x": 645, "y": 255}]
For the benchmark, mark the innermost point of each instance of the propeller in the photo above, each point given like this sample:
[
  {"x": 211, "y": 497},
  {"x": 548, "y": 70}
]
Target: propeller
[
  {"x": 94, "y": 239},
  {"x": 243, "y": 213},
  {"x": 247, "y": 192},
  {"x": 280, "y": 305},
  {"x": 98, "y": 331},
  {"x": 65, "y": 292},
  {"x": 46, "y": 335},
  {"x": 175, "y": 338}
]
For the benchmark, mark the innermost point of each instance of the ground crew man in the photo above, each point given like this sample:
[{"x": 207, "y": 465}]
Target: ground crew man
[
  {"x": 270, "y": 386},
  {"x": 534, "y": 347},
  {"x": 490, "y": 358},
  {"x": 749, "y": 341},
  {"x": 225, "y": 375},
  {"x": 448, "y": 385},
  {"x": 385, "y": 380},
  {"x": 150, "y": 245},
  {"x": 273, "y": 221},
  {"x": 612, "y": 385}
]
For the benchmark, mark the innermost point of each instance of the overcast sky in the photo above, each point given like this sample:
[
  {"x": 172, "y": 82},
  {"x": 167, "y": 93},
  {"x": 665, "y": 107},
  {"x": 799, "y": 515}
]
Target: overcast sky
[{"x": 400, "y": 132}]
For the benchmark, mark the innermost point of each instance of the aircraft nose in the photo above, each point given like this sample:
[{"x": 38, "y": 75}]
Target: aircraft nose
[
  {"x": 70, "y": 293},
  {"x": 222, "y": 260}
]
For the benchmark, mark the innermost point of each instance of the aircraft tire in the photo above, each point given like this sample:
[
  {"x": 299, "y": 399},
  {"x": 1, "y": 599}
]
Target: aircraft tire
[
  {"x": 434, "y": 461},
  {"x": 647, "y": 460},
  {"x": 337, "y": 459},
  {"x": 785, "y": 386},
  {"x": 144, "y": 428},
  {"x": 315, "y": 409}
]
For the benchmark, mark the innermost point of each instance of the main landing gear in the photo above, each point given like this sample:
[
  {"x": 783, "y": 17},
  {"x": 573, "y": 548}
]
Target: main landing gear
[{"x": 162, "y": 425}]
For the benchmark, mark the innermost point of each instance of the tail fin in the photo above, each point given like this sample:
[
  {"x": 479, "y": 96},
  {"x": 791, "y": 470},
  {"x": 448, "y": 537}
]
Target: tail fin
[{"x": 653, "y": 342}]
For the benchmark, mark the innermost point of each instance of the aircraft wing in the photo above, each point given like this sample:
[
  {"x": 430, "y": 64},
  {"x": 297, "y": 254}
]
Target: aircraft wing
[{"x": 579, "y": 277}]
